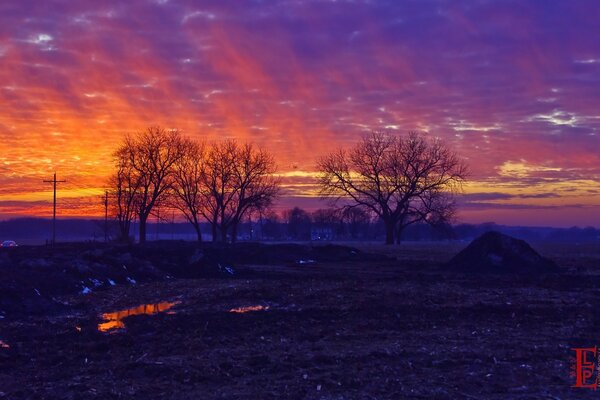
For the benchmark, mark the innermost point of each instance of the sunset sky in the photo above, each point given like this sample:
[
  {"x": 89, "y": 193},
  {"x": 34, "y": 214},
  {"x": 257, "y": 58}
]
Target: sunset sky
[{"x": 512, "y": 86}]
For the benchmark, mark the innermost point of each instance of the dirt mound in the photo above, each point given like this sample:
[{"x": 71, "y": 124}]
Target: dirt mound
[{"x": 494, "y": 252}]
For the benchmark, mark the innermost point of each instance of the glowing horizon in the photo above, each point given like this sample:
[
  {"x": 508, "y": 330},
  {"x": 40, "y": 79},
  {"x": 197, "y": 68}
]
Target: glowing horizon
[{"x": 511, "y": 86}]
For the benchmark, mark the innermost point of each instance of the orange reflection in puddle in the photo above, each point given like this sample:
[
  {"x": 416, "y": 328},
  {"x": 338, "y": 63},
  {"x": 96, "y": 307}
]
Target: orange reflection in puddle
[
  {"x": 4, "y": 345},
  {"x": 114, "y": 320},
  {"x": 241, "y": 310}
]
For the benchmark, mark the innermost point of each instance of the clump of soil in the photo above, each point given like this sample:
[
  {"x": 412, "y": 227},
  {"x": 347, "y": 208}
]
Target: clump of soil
[{"x": 494, "y": 252}]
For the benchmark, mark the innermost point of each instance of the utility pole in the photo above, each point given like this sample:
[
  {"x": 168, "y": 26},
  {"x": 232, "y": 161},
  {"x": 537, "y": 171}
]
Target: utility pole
[
  {"x": 54, "y": 182},
  {"x": 157, "y": 222},
  {"x": 106, "y": 216}
]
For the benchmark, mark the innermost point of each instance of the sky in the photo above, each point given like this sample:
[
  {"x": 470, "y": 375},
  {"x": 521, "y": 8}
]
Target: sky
[{"x": 512, "y": 86}]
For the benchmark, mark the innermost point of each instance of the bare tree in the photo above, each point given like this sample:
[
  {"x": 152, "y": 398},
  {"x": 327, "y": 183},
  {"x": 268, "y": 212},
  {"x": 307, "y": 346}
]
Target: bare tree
[
  {"x": 402, "y": 180},
  {"x": 123, "y": 186},
  {"x": 149, "y": 157},
  {"x": 256, "y": 186},
  {"x": 357, "y": 219},
  {"x": 270, "y": 225},
  {"x": 237, "y": 180},
  {"x": 326, "y": 223},
  {"x": 188, "y": 183},
  {"x": 218, "y": 191},
  {"x": 298, "y": 223}
]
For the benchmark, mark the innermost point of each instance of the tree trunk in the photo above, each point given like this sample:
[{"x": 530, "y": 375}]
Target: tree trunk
[
  {"x": 213, "y": 225},
  {"x": 143, "y": 219},
  {"x": 198, "y": 233},
  {"x": 124, "y": 232},
  {"x": 389, "y": 232},
  {"x": 223, "y": 233},
  {"x": 399, "y": 234},
  {"x": 234, "y": 228}
]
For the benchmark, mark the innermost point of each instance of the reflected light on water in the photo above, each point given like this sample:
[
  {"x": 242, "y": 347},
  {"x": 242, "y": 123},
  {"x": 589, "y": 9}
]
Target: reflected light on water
[
  {"x": 114, "y": 320},
  {"x": 3, "y": 345},
  {"x": 246, "y": 309}
]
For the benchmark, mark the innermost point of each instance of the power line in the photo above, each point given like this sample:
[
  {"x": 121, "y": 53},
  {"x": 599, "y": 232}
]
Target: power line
[{"x": 54, "y": 182}]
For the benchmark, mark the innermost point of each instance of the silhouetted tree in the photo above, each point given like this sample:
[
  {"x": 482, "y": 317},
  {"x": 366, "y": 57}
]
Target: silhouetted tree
[
  {"x": 256, "y": 187},
  {"x": 237, "y": 180},
  {"x": 356, "y": 219},
  {"x": 123, "y": 185},
  {"x": 326, "y": 223},
  {"x": 219, "y": 187},
  {"x": 298, "y": 223},
  {"x": 402, "y": 180},
  {"x": 270, "y": 225},
  {"x": 148, "y": 157},
  {"x": 188, "y": 182}
]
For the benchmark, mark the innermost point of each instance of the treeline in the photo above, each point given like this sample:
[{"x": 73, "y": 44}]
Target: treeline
[
  {"x": 332, "y": 225},
  {"x": 293, "y": 224}
]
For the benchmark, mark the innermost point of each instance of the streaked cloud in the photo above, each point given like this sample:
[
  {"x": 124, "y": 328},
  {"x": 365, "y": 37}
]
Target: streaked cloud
[{"x": 510, "y": 85}]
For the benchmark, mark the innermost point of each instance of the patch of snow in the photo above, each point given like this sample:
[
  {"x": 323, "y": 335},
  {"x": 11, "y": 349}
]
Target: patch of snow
[
  {"x": 226, "y": 269},
  {"x": 37, "y": 292},
  {"x": 306, "y": 262},
  {"x": 131, "y": 280},
  {"x": 96, "y": 282},
  {"x": 111, "y": 282},
  {"x": 86, "y": 290}
]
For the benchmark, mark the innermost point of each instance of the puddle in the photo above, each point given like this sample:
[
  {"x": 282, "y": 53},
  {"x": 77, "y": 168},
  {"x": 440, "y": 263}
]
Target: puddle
[
  {"x": 4, "y": 345},
  {"x": 114, "y": 320},
  {"x": 241, "y": 310}
]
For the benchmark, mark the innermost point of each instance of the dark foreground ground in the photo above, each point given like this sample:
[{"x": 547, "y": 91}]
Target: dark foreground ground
[{"x": 358, "y": 329}]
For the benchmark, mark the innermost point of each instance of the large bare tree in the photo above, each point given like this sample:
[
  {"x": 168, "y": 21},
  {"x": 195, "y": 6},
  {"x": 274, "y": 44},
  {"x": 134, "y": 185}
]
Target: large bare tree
[
  {"x": 149, "y": 157},
  {"x": 402, "y": 180}
]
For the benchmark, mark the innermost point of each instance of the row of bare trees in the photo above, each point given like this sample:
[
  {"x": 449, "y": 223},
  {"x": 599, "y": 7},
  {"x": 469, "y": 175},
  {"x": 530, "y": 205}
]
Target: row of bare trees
[
  {"x": 219, "y": 182},
  {"x": 400, "y": 180}
]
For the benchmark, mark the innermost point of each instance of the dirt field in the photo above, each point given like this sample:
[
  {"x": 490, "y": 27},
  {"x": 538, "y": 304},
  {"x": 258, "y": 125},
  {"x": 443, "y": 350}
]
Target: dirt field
[{"x": 393, "y": 329}]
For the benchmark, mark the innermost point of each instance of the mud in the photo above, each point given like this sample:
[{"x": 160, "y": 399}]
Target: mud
[{"x": 355, "y": 329}]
